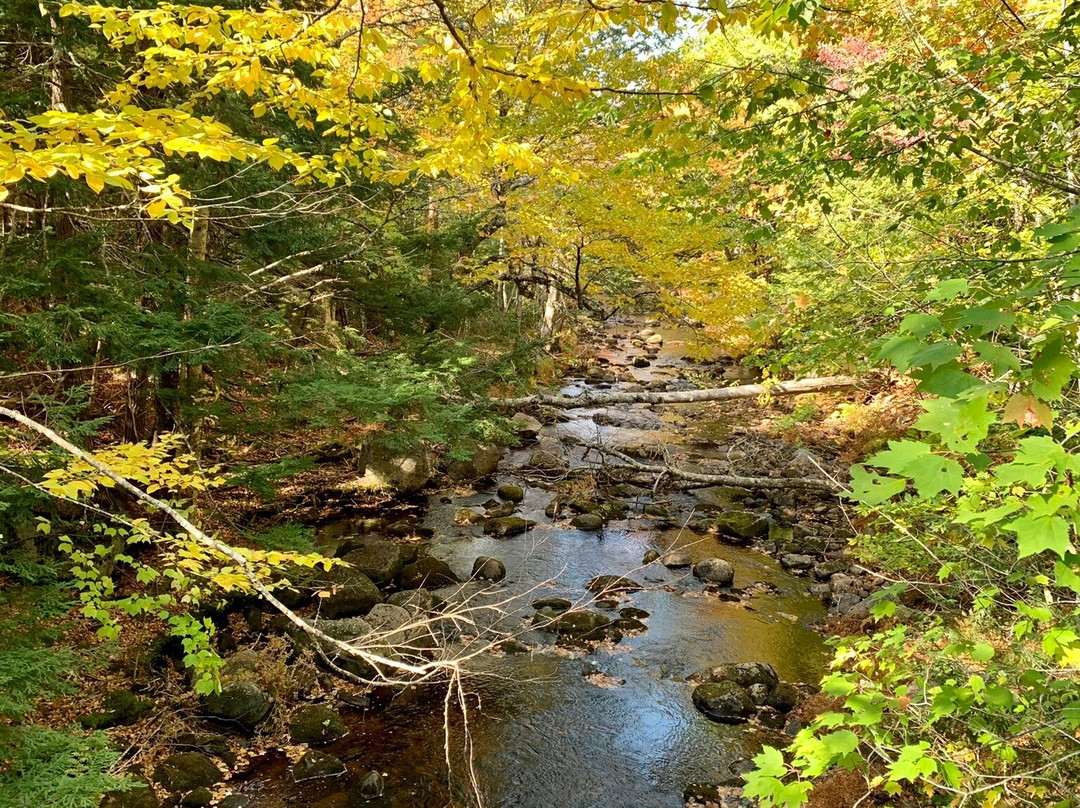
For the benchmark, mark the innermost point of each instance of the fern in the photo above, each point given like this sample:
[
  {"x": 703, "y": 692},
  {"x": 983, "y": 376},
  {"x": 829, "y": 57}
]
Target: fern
[
  {"x": 61, "y": 769},
  {"x": 285, "y": 538}
]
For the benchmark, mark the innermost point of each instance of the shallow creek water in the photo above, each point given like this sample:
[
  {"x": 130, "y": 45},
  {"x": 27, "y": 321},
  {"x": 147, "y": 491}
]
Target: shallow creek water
[{"x": 554, "y": 729}]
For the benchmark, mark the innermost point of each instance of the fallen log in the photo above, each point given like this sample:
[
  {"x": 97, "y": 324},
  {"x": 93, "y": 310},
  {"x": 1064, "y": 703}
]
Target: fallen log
[
  {"x": 684, "y": 396},
  {"x": 703, "y": 479}
]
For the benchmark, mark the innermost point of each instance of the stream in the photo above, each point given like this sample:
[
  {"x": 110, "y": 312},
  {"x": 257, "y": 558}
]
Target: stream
[{"x": 569, "y": 727}]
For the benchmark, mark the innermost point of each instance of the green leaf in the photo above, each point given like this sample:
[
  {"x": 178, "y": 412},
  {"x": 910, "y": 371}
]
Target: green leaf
[
  {"x": 948, "y": 289},
  {"x": 982, "y": 652},
  {"x": 1037, "y": 534},
  {"x": 1051, "y": 371},
  {"x": 873, "y": 489},
  {"x": 1065, "y": 574},
  {"x": 913, "y": 764},
  {"x": 961, "y": 424},
  {"x": 920, "y": 325},
  {"x": 998, "y": 357},
  {"x": 930, "y": 473},
  {"x": 770, "y": 762},
  {"x": 935, "y": 354}
]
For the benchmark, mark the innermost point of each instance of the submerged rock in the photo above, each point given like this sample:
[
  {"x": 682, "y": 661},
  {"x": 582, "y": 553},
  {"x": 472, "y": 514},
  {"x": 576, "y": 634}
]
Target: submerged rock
[
  {"x": 546, "y": 461},
  {"x": 468, "y": 516},
  {"x": 317, "y": 765},
  {"x": 507, "y": 526},
  {"x": 500, "y": 510},
  {"x": 714, "y": 571},
  {"x": 581, "y": 624},
  {"x": 371, "y": 786},
  {"x": 607, "y": 584},
  {"x": 725, "y": 702},
  {"x": 555, "y": 604}
]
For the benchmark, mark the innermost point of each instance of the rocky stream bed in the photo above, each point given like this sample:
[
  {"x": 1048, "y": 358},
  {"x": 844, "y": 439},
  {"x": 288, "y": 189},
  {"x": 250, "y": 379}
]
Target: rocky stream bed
[{"x": 632, "y": 642}]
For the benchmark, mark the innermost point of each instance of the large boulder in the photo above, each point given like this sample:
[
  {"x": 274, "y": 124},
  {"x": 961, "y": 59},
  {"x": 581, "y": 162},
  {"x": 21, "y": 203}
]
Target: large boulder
[
  {"x": 380, "y": 561},
  {"x": 427, "y": 573},
  {"x": 744, "y": 674},
  {"x": 714, "y": 571},
  {"x": 389, "y": 470},
  {"x": 725, "y": 702},
  {"x": 797, "y": 561},
  {"x": 386, "y": 617},
  {"x": 525, "y": 426},
  {"x": 415, "y": 600},
  {"x": 186, "y": 771},
  {"x": 483, "y": 463},
  {"x": 346, "y": 630},
  {"x": 243, "y": 704},
  {"x": 348, "y": 593},
  {"x": 316, "y": 724}
]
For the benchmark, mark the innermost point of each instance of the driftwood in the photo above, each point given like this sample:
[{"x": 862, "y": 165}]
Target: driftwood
[
  {"x": 702, "y": 479},
  {"x": 684, "y": 396}
]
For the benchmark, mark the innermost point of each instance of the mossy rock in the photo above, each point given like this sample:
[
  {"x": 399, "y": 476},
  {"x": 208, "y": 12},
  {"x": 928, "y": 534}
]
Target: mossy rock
[
  {"x": 427, "y": 573},
  {"x": 742, "y": 525},
  {"x": 316, "y": 724},
  {"x": 244, "y": 704},
  {"x": 511, "y": 493},
  {"x": 186, "y": 771},
  {"x": 506, "y": 526},
  {"x": 141, "y": 795},
  {"x": 582, "y": 624},
  {"x": 725, "y": 702}
]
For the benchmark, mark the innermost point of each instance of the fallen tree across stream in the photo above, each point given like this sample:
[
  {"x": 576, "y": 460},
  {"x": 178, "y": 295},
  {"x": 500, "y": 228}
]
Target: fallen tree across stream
[
  {"x": 791, "y": 388},
  {"x": 701, "y": 479}
]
